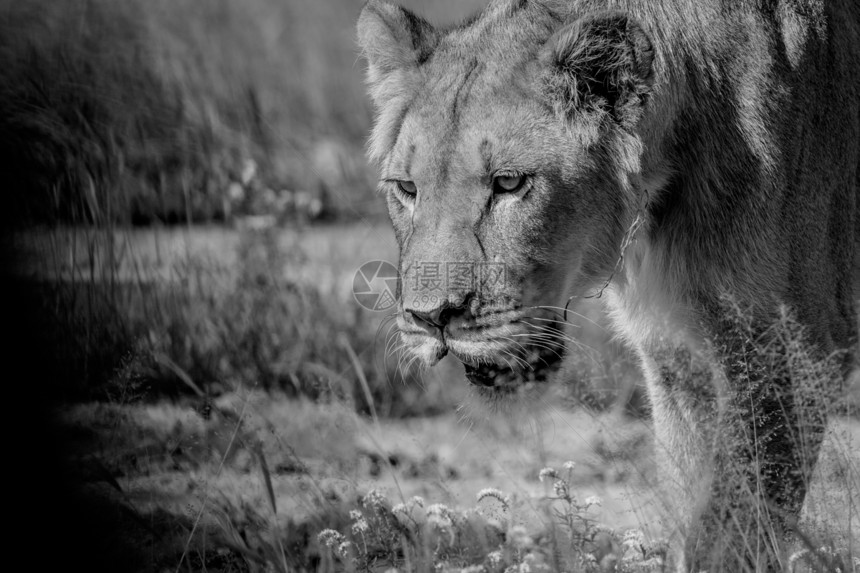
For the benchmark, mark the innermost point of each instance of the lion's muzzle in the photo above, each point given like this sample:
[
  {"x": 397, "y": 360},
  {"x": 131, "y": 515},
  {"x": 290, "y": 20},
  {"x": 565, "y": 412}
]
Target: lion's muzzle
[{"x": 500, "y": 348}]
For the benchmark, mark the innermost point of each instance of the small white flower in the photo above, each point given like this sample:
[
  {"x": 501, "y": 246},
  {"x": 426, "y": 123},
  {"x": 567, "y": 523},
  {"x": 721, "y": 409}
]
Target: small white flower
[
  {"x": 440, "y": 515},
  {"x": 330, "y": 537},
  {"x": 494, "y": 493},
  {"x": 560, "y": 488},
  {"x": 533, "y": 562},
  {"x": 569, "y": 465},
  {"x": 374, "y": 499},
  {"x": 400, "y": 508},
  {"x": 343, "y": 549},
  {"x": 633, "y": 539},
  {"x": 439, "y": 509},
  {"x": 547, "y": 473},
  {"x": 494, "y": 558},
  {"x": 593, "y": 500},
  {"x": 355, "y": 515},
  {"x": 359, "y": 527}
]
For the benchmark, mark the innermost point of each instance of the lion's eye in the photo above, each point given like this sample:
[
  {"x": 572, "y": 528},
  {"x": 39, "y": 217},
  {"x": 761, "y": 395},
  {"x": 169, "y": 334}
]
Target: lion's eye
[
  {"x": 408, "y": 188},
  {"x": 508, "y": 183}
]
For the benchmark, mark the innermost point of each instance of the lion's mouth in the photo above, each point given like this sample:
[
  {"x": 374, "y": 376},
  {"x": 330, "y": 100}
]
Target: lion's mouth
[
  {"x": 534, "y": 367},
  {"x": 485, "y": 374},
  {"x": 502, "y": 356}
]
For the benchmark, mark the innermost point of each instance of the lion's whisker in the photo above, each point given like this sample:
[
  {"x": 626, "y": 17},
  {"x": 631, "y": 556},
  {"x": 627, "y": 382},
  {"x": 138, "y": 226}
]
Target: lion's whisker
[
  {"x": 582, "y": 316},
  {"x": 550, "y": 320}
]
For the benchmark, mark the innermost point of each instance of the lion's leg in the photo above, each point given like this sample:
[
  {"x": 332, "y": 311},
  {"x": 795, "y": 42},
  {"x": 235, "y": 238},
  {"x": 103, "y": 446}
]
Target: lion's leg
[
  {"x": 763, "y": 463},
  {"x": 771, "y": 424},
  {"x": 683, "y": 402},
  {"x": 737, "y": 441}
]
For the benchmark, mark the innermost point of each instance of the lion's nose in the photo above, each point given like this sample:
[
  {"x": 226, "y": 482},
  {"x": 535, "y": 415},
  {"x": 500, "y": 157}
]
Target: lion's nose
[{"x": 436, "y": 318}]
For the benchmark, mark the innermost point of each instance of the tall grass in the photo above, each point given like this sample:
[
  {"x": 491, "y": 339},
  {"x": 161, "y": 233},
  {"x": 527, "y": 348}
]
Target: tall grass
[
  {"x": 146, "y": 110},
  {"x": 142, "y": 111},
  {"x": 204, "y": 325}
]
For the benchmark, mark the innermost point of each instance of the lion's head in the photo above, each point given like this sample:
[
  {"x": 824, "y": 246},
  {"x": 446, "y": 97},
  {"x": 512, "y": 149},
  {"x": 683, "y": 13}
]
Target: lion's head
[{"x": 508, "y": 151}]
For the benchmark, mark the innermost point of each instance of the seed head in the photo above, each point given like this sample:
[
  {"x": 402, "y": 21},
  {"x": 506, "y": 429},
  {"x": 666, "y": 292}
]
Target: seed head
[
  {"x": 494, "y": 558},
  {"x": 360, "y": 527},
  {"x": 373, "y": 500},
  {"x": 547, "y": 473},
  {"x": 440, "y": 514},
  {"x": 330, "y": 537},
  {"x": 494, "y": 493},
  {"x": 343, "y": 549}
]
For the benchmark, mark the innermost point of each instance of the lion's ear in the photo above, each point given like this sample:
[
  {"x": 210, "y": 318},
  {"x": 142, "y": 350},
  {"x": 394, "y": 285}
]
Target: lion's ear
[
  {"x": 394, "y": 41},
  {"x": 600, "y": 63}
]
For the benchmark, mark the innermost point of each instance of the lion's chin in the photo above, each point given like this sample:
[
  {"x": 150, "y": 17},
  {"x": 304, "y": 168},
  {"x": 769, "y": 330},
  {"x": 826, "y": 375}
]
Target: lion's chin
[
  {"x": 505, "y": 372},
  {"x": 427, "y": 350},
  {"x": 490, "y": 365}
]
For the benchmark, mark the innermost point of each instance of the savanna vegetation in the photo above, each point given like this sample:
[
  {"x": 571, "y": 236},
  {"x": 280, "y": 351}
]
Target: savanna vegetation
[{"x": 193, "y": 386}]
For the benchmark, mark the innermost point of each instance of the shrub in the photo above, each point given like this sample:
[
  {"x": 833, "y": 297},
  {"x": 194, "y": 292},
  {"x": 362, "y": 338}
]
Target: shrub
[{"x": 417, "y": 536}]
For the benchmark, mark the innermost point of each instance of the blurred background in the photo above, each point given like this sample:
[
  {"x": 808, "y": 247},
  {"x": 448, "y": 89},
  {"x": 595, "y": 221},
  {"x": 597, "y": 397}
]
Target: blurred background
[
  {"x": 142, "y": 113},
  {"x": 188, "y": 201},
  {"x": 160, "y": 154}
]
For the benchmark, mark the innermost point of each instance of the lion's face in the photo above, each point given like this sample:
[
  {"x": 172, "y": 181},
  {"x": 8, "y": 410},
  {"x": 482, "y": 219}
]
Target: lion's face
[{"x": 506, "y": 176}]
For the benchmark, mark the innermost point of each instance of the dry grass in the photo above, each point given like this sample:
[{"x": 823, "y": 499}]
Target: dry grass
[
  {"x": 324, "y": 461},
  {"x": 204, "y": 312}
]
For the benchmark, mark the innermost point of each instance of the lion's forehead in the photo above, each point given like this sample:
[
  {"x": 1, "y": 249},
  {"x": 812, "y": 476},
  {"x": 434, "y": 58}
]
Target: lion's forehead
[
  {"x": 482, "y": 78},
  {"x": 439, "y": 141},
  {"x": 480, "y": 103},
  {"x": 499, "y": 61},
  {"x": 473, "y": 114}
]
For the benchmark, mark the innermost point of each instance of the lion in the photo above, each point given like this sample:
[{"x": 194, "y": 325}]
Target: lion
[{"x": 692, "y": 164}]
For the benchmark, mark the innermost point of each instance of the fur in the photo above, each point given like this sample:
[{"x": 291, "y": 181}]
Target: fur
[{"x": 727, "y": 132}]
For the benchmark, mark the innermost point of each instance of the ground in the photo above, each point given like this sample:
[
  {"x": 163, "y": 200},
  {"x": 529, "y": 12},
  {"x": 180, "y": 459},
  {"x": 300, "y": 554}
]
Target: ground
[
  {"x": 167, "y": 460},
  {"x": 246, "y": 478}
]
